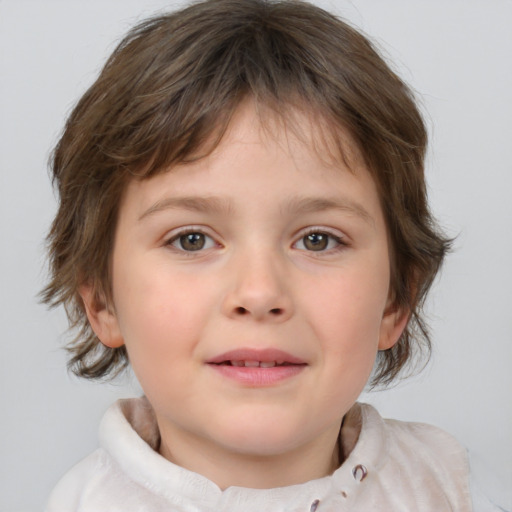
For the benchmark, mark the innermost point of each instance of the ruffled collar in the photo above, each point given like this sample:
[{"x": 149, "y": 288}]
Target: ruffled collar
[{"x": 129, "y": 433}]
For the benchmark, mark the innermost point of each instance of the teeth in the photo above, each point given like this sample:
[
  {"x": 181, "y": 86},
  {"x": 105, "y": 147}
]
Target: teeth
[{"x": 255, "y": 364}]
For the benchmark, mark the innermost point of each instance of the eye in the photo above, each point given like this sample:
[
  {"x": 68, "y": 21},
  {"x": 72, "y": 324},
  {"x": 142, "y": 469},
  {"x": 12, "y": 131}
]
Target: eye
[
  {"x": 318, "y": 241},
  {"x": 191, "y": 241}
]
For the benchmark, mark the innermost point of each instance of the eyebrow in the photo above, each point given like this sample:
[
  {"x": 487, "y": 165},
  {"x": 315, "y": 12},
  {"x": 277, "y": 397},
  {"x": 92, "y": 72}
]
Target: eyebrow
[
  {"x": 295, "y": 206},
  {"x": 195, "y": 204},
  {"x": 314, "y": 204}
]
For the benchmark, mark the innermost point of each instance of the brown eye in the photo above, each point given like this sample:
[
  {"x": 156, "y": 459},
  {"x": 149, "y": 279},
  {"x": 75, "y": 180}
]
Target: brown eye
[
  {"x": 316, "y": 241},
  {"x": 320, "y": 241},
  {"x": 191, "y": 241}
]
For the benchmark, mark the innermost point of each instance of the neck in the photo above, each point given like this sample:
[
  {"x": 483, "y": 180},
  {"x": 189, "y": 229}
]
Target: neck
[{"x": 228, "y": 468}]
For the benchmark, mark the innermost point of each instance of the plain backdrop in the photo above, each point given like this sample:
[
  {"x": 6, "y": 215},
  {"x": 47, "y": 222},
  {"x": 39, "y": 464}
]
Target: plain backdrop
[{"x": 457, "y": 55}]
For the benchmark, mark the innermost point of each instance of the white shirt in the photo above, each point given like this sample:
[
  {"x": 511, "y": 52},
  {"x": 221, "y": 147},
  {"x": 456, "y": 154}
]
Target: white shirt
[{"x": 393, "y": 467}]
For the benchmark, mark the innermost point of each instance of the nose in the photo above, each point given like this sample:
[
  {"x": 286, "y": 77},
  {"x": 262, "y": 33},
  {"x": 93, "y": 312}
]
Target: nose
[{"x": 259, "y": 290}]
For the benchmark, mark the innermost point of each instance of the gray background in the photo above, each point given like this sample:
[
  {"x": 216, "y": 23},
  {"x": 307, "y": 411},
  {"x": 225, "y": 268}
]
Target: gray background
[{"x": 456, "y": 54}]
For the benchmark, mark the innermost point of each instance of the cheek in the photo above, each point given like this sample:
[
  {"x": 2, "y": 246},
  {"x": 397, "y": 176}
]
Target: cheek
[
  {"x": 349, "y": 337},
  {"x": 353, "y": 305},
  {"x": 349, "y": 310},
  {"x": 160, "y": 314}
]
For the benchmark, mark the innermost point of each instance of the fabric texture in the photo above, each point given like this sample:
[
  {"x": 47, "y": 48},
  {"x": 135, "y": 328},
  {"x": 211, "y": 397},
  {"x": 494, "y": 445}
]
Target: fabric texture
[{"x": 390, "y": 466}]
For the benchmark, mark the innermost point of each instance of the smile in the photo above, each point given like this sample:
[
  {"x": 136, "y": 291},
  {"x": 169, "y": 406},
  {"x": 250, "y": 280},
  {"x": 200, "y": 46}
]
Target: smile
[
  {"x": 257, "y": 368},
  {"x": 256, "y": 364}
]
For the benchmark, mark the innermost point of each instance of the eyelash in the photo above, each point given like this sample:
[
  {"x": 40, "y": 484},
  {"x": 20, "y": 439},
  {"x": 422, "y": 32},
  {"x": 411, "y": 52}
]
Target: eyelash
[
  {"x": 339, "y": 239},
  {"x": 177, "y": 238}
]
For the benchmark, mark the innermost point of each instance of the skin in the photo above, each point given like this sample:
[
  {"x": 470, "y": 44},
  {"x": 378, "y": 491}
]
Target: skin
[{"x": 258, "y": 282}]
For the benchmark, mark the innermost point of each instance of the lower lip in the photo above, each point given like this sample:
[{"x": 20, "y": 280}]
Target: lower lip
[{"x": 258, "y": 377}]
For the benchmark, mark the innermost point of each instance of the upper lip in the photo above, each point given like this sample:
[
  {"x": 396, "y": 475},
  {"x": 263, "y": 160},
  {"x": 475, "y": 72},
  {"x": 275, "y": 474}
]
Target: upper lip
[{"x": 266, "y": 355}]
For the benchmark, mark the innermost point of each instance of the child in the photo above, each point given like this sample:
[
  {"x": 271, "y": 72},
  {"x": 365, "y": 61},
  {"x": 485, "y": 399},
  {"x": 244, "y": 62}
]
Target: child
[{"x": 243, "y": 218}]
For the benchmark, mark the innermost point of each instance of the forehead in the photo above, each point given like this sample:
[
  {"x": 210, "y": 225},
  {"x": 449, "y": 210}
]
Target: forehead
[
  {"x": 290, "y": 124},
  {"x": 296, "y": 129},
  {"x": 288, "y": 163}
]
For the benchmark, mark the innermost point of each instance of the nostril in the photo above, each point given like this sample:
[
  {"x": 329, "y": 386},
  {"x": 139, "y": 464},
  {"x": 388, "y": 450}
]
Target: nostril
[{"x": 241, "y": 311}]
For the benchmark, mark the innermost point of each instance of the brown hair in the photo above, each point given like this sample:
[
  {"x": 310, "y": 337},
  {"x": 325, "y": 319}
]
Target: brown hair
[{"x": 171, "y": 87}]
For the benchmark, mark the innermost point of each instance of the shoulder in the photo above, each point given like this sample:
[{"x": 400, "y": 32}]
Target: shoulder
[
  {"x": 98, "y": 479},
  {"x": 435, "y": 445},
  {"x": 412, "y": 441},
  {"x": 70, "y": 489},
  {"x": 423, "y": 465},
  {"x": 124, "y": 473},
  {"x": 440, "y": 459}
]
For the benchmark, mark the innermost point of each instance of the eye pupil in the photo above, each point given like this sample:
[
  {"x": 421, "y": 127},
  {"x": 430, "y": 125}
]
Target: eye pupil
[
  {"x": 192, "y": 241},
  {"x": 316, "y": 241}
]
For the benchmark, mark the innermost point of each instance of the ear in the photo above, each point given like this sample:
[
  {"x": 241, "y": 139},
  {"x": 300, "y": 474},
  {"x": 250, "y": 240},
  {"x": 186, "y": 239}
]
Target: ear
[
  {"x": 103, "y": 321},
  {"x": 393, "y": 324}
]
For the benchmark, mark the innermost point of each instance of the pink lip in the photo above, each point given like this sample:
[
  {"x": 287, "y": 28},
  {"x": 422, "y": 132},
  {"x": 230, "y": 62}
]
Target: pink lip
[{"x": 288, "y": 367}]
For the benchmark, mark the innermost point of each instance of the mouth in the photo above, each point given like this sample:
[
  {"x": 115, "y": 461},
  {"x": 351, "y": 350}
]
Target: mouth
[
  {"x": 257, "y": 368},
  {"x": 254, "y": 358},
  {"x": 255, "y": 364}
]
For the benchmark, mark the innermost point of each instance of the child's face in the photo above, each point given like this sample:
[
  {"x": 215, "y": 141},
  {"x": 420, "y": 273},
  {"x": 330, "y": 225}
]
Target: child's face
[{"x": 260, "y": 252}]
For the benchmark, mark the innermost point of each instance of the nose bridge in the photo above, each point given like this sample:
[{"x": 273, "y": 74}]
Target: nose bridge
[{"x": 259, "y": 289}]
